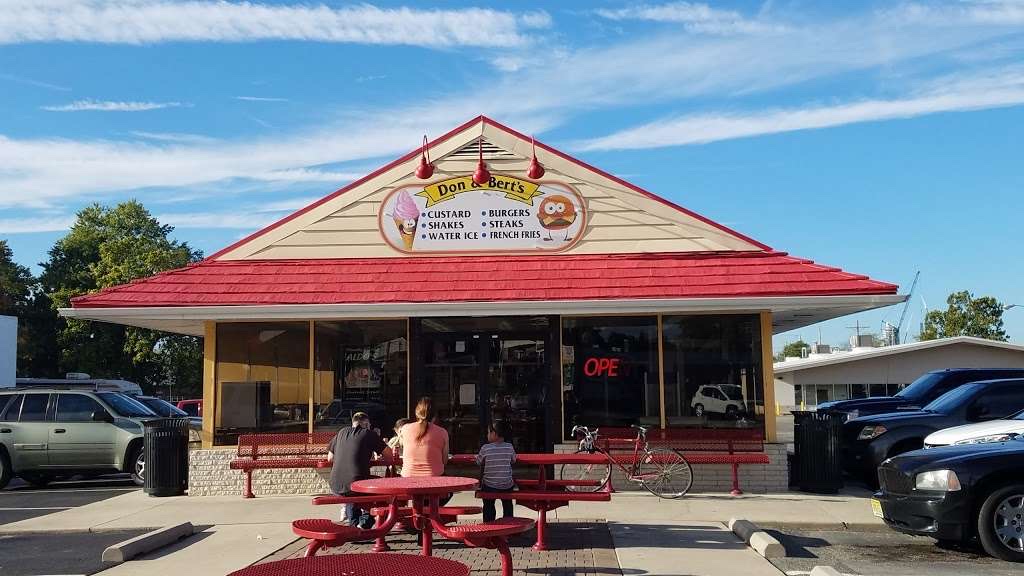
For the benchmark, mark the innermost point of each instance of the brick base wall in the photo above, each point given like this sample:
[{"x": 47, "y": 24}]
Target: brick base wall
[
  {"x": 754, "y": 478},
  {"x": 209, "y": 475}
]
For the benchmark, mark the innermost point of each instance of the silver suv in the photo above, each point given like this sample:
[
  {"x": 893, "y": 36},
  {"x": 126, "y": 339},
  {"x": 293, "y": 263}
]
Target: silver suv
[{"x": 46, "y": 433}]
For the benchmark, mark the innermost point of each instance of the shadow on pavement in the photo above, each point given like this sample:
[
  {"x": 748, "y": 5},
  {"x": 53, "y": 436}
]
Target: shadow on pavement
[{"x": 675, "y": 537}]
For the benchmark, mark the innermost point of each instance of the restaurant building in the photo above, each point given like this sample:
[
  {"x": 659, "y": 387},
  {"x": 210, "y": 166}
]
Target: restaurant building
[{"x": 504, "y": 279}]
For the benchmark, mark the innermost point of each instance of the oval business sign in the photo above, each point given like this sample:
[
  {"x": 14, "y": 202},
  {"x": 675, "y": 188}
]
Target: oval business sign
[{"x": 507, "y": 214}]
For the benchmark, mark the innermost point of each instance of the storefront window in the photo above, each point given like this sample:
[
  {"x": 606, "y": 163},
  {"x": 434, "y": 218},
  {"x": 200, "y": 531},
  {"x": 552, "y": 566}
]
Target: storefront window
[
  {"x": 262, "y": 378},
  {"x": 361, "y": 366},
  {"x": 610, "y": 372},
  {"x": 713, "y": 371}
]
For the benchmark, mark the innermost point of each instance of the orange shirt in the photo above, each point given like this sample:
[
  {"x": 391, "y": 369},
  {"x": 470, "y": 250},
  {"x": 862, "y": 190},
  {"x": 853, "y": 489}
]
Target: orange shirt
[{"x": 423, "y": 457}]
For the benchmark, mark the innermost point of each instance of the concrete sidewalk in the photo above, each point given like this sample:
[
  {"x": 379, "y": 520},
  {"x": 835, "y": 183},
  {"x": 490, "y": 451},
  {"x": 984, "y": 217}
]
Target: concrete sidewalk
[{"x": 653, "y": 536}]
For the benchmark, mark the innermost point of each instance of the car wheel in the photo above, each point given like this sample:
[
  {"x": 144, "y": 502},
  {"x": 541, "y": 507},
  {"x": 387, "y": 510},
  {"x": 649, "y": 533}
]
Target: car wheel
[
  {"x": 6, "y": 472},
  {"x": 1001, "y": 523},
  {"x": 36, "y": 479},
  {"x": 138, "y": 466},
  {"x": 698, "y": 410}
]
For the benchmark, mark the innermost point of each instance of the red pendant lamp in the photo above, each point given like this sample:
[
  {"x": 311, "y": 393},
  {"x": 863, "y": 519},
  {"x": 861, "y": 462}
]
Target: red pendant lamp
[
  {"x": 426, "y": 168},
  {"x": 535, "y": 171},
  {"x": 481, "y": 176}
]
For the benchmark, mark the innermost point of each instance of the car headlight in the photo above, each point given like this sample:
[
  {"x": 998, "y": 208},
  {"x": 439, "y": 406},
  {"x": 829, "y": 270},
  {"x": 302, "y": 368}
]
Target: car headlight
[
  {"x": 871, "y": 432},
  {"x": 987, "y": 439},
  {"x": 851, "y": 415},
  {"x": 940, "y": 480}
]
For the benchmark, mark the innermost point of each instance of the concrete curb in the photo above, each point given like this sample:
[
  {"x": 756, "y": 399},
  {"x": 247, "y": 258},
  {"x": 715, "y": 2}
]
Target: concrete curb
[
  {"x": 762, "y": 543},
  {"x": 124, "y": 551},
  {"x": 825, "y": 571}
]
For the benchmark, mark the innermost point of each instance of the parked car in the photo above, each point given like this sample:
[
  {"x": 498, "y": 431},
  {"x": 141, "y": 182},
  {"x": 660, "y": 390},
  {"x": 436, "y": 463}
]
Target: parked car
[
  {"x": 718, "y": 399},
  {"x": 62, "y": 432},
  {"x": 980, "y": 433},
  {"x": 192, "y": 407},
  {"x": 918, "y": 393},
  {"x": 955, "y": 493},
  {"x": 165, "y": 409},
  {"x": 869, "y": 440}
]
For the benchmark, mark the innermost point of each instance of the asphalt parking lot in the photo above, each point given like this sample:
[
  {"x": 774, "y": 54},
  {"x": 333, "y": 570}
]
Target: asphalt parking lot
[
  {"x": 881, "y": 552},
  {"x": 36, "y": 554}
]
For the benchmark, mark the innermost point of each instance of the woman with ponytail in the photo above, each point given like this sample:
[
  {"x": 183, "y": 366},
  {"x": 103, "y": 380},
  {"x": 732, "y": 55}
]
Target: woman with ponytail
[{"x": 424, "y": 444}]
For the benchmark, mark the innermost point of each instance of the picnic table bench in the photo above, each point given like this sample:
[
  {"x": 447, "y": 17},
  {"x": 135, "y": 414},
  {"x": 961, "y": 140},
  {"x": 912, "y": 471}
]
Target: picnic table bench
[{"x": 275, "y": 451}]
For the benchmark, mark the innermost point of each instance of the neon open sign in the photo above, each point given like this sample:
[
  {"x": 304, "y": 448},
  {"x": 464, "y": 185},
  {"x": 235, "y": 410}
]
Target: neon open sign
[{"x": 601, "y": 367}]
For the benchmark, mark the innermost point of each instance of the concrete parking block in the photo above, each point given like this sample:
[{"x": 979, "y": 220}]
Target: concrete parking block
[
  {"x": 124, "y": 551},
  {"x": 825, "y": 571},
  {"x": 762, "y": 542}
]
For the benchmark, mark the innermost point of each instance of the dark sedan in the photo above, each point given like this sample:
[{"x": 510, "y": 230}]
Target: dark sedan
[
  {"x": 918, "y": 393},
  {"x": 869, "y": 440},
  {"x": 956, "y": 493}
]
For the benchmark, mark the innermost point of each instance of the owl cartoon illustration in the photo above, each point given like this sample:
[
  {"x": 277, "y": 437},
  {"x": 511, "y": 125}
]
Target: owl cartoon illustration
[{"x": 557, "y": 213}]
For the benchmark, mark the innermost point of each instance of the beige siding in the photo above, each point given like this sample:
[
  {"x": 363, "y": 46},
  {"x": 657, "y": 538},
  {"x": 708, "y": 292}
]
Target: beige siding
[{"x": 619, "y": 219}]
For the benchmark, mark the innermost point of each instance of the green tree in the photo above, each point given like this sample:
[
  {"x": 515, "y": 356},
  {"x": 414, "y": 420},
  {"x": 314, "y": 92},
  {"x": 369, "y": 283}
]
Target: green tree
[
  {"x": 20, "y": 296},
  {"x": 106, "y": 247},
  {"x": 966, "y": 315},
  {"x": 15, "y": 283},
  {"x": 791, "y": 350}
]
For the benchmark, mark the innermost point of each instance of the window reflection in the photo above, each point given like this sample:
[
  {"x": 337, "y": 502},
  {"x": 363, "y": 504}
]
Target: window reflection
[
  {"x": 713, "y": 371},
  {"x": 360, "y": 366}
]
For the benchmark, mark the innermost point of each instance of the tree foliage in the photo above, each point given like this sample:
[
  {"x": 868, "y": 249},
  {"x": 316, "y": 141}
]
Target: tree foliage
[
  {"x": 966, "y": 315},
  {"x": 791, "y": 350},
  {"x": 106, "y": 247}
]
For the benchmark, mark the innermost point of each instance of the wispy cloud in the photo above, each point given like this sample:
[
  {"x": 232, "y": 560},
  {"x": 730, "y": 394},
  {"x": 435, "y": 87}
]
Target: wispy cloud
[
  {"x": 109, "y": 106},
  {"x": 33, "y": 82},
  {"x": 260, "y": 99},
  {"x": 990, "y": 91},
  {"x": 694, "y": 16},
  {"x": 31, "y": 225},
  {"x": 151, "y": 21},
  {"x": 174, "y": 137},
  {"x": 230, "y": 220}
]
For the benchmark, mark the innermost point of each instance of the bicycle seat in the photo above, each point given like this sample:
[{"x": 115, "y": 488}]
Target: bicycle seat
[{"x": 641, "y": 428}]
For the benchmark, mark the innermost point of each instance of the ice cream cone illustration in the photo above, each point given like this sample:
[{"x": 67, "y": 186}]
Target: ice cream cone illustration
[{"x": 407, "y": 217}]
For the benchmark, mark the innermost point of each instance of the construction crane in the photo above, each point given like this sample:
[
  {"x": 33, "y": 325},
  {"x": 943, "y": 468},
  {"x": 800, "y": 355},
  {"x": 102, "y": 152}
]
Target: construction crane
[{"x": 898, "y": 328}]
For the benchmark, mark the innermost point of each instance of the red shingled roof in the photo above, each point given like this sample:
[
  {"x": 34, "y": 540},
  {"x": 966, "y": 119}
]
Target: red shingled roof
[{"x": 486, "y": 278}]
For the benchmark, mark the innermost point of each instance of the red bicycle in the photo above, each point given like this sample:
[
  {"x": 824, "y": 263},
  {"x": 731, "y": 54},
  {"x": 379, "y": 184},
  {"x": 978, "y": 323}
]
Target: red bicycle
[{"x": 661, "y": 471}]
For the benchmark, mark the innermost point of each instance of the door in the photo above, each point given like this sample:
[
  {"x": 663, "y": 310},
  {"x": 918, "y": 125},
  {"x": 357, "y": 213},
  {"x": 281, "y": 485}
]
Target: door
[
  {"x": 31, "y": 432},
  {"x": 480, "y": 370},
  {"x": 75, "y": 440}
]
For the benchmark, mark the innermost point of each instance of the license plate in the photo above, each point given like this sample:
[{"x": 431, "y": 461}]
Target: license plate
[{"x": 876, "y": 508}]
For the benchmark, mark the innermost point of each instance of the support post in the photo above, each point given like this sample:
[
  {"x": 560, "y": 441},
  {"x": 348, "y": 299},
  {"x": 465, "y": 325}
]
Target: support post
[
  {"x": 768, "y": 374},
  {"x": 661, "y": 376},
  {"x": 312, "y": 377},
  {"x": 210, "y": 407}
]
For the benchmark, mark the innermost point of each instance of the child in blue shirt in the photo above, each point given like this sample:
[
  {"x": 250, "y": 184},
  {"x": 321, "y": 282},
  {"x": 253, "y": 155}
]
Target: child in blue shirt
[{"x": 496, "y": 458}]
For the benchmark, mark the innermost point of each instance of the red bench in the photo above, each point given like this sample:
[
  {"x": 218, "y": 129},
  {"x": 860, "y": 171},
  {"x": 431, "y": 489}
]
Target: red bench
[
  {"x": 274, "y": 451},
  {"x": 493, "y": 535},
  {"x": 323, "y": 533},
  {"x": 542, "y": 501},
  {"x": 732, "y": 446}
]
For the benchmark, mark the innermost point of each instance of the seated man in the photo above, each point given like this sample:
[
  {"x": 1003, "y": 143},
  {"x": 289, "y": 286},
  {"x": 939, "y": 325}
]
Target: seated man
[{"x": 350, "y": 453}]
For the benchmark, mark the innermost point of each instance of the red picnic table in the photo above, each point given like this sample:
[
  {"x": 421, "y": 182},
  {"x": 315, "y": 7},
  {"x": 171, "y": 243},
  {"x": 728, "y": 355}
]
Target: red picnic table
[
  {"x": 358, "y": 565},
  {"x": 425, "y": 493},
  {"x": 544, "y": 494}
]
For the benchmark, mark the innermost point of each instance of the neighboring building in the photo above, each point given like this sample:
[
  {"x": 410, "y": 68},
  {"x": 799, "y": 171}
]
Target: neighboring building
[
  {"x": 883, "y": 371},
  {"x": 8, "y": 350},
  {"x": 565, "y": 297}
]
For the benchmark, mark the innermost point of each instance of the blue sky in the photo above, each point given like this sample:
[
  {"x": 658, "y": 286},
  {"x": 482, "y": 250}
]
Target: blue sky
[{"x": 881, "y": 137}]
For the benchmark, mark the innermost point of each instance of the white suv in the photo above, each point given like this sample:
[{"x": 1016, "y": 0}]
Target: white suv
[{"x": 718, "y": 399}]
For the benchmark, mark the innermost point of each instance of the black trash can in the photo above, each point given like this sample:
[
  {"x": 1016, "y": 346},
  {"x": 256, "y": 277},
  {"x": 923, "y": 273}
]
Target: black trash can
[
  {"x": 165, "y": 455},
  {"x": 817, "y": 452}
]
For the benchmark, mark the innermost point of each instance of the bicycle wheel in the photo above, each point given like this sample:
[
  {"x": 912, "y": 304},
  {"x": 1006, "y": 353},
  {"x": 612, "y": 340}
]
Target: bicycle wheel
[
  {"x": 590, "y": 473},
  {"x": 665, "y": 473}
]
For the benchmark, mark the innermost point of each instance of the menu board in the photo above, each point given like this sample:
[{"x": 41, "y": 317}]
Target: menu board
[{"x": 506, "y": 214}]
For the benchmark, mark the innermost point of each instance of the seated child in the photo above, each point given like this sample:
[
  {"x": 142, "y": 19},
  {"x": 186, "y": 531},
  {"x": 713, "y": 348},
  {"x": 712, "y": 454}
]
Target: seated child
[{"x": 496, "y": 458}]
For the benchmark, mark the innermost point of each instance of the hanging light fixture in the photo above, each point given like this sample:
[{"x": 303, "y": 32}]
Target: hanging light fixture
[
  {"x": 535, "y": 171},
  {"x": 426, "y": 168},
  {"x": 481, "y": 176}
]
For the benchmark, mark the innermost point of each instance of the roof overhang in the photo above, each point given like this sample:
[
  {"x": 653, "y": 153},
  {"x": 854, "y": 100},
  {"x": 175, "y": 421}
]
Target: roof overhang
[{"x": 789, "y": 312}]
